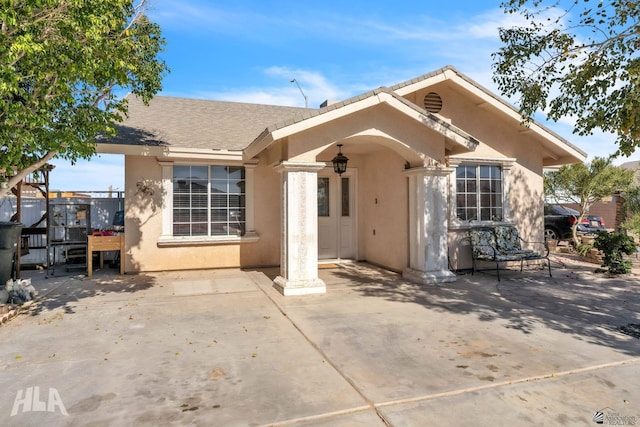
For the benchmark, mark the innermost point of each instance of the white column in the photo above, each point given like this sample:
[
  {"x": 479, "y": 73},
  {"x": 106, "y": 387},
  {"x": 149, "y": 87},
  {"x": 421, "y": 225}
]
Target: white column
[
  {"x": 428, "y": 247},
  {"x": 299, "y": 222}
]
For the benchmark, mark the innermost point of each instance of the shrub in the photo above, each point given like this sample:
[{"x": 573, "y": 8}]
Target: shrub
[
  {"x": 632, "y": 224},
  {"x": 614, "y": 246},
  {"x": 584, "y": 248}
]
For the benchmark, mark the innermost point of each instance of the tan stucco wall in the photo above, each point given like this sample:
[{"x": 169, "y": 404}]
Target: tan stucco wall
[
  {"x": 267, "y": 205},
  {"x": 499, "y": 138},
  {"x": 143, "y": 214},
  {"x": 384, "y": 206},
  {"x": 382, "y": 124},
  {"x": 525, "y": 200},
  {"x": 143, "y": 226}
]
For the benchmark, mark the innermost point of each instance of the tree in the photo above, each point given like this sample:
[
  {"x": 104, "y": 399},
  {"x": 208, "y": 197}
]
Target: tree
[
  {"x": 63, "y": 65},
  {"x": 575, "y": 58},
  {"x": 632, "y": 224},
  {"x": 585, "y": 184},
  {"x": 632, "y": 207},
  {"x": 632, "y": 202}
]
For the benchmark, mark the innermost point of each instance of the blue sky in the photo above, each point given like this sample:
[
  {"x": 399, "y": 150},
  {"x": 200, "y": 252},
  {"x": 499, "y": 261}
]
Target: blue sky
[{"x": 249, "y": 51}]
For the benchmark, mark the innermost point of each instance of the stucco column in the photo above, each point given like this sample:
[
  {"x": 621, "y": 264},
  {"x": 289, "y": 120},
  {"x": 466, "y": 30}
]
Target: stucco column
[
  {"x": 299, "y": 221},
  {"x": 428, "y": 219}
]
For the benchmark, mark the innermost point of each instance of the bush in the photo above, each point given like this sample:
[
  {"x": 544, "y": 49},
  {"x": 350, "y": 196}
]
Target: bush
[
  {"x": 633, "y": 225},
  {"x": 614, "y": 246},
  {"x": 584, "y": 248}
]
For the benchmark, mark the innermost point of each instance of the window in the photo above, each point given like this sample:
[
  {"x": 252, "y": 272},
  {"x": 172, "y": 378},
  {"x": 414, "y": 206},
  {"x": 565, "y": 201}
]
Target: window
[
  {"x": 345, "y": 197},
  {"x": 208, "y": 200},
  {"x": 479, "y": 193},
  {"x": 323, "y": 196}
]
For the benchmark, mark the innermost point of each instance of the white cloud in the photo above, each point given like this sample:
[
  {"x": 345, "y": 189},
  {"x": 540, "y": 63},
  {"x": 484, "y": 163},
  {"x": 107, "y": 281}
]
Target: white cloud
[
  {"x": 191, "y": 16},
  {"x": 281, "y": 91},
  {"x": 312, "y": 83},
  {"x": 486, "y": 25}
]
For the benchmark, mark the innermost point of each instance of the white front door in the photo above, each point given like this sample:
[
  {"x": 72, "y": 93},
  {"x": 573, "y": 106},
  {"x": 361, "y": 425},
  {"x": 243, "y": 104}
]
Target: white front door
[{"x": 336, "y": 215}]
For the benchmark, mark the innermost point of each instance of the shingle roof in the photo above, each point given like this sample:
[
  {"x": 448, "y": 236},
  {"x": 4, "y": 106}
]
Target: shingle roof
[
  {"x": 196, "y": 123},
  {"x": 234, "y": 126},
  {"x": 222, "y": 125}
]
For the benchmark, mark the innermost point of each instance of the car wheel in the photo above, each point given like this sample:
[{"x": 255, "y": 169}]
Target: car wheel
[{"x": 550, "y": 234}]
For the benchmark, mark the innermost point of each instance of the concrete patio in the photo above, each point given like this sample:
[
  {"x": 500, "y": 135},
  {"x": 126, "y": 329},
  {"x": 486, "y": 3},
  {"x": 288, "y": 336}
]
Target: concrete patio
[{"x": 224, "y": 348}]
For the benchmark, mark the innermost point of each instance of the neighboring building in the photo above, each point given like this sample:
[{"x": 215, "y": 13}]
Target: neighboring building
[
  {"x": 634, "y": 166},
  {"x": 213, "y": 184},
  {"x": 611, "y": 209}
]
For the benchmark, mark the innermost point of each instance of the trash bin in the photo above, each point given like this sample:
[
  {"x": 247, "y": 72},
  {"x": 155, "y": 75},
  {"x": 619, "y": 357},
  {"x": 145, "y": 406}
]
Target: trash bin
[{"x": 9, "y": 238}]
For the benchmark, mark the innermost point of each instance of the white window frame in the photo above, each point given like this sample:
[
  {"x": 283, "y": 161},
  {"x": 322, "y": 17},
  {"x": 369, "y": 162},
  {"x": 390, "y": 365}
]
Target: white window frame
[
  {"x": 505, "y": 165},
  {"x": 168, "y": 239}
]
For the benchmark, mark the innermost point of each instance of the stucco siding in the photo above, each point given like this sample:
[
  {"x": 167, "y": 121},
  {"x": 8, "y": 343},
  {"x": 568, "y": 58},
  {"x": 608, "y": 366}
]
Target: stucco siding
[
  {"x": 499, "y": 138},
  {"x": 143, "y": 215},
  {"x": 384, "y": 205},
  {"x": 143, "y": 226},
  {"x": 267, "y": 205}
]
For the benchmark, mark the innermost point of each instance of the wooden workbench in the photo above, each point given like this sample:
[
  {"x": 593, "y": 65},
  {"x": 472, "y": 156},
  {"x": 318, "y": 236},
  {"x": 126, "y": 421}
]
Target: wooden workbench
[{"x": 102, "y": 244}]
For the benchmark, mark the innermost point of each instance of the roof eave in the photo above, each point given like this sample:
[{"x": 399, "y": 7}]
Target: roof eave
[
  {"x": 169, "y": 153},
  {"x": 451, "y": 74},
  {"x": 358, "y": 103}
]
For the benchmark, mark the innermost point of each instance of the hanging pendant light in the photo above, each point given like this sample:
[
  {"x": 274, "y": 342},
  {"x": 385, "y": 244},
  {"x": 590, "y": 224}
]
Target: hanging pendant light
[{"x": 340, "y": 162}]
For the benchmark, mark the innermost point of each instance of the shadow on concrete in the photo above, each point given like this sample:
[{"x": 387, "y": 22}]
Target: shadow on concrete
[
  {"x": 574, "y": 301},
  {"x": 65, "y": 289}
]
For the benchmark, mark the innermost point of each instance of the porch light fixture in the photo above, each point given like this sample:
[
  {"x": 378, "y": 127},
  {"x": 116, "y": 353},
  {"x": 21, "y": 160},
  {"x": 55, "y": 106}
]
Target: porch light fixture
[{"x": 340, "y": 162}]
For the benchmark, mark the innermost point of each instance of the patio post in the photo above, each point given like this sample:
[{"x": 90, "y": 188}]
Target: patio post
[
  {"x": 428, "y": 247},
  {"x": 299, "y": 233}
]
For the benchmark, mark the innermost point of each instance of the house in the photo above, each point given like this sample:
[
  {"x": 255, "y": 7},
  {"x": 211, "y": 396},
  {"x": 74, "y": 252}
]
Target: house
[{"x": 214, "y": 184}]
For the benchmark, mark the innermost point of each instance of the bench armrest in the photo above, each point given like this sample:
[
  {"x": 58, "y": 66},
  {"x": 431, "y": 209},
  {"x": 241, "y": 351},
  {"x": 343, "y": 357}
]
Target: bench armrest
[{"x": 544, "y": 244}]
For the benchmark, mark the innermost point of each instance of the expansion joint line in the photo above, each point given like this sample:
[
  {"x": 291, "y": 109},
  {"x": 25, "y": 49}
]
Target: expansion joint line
[
  {"x": 626, "y": 362},
  {"x": 370, "y": 405}
]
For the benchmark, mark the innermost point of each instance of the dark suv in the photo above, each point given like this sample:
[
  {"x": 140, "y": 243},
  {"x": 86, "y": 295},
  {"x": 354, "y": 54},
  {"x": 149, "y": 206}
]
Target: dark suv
[{"x": 559, "y": 219}]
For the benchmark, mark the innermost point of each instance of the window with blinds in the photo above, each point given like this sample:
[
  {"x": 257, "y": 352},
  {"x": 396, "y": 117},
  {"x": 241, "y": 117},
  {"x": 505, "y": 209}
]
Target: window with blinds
[{"x": 208, "y": 200}]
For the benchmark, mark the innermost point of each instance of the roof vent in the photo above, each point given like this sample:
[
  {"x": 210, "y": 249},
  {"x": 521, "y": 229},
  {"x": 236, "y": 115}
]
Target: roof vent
[
  {"x": 328, "y": 102},
  {"x": 432, "y": 102}
]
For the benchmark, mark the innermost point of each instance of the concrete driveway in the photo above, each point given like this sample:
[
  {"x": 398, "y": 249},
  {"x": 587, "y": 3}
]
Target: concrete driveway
[{"x": 223, "y": 348}]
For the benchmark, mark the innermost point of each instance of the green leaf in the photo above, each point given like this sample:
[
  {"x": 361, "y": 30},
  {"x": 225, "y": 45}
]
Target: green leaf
[
  {"x": 61, "y": 65},
  {"x": 581, "y": 64}
]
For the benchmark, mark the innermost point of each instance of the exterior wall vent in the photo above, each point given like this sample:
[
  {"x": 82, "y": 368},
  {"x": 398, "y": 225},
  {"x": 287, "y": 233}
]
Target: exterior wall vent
[{"x": 432, "y": 102}]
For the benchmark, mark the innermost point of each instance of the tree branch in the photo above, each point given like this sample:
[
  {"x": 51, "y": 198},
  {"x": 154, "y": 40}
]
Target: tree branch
[{"x": 14, "y": 180}]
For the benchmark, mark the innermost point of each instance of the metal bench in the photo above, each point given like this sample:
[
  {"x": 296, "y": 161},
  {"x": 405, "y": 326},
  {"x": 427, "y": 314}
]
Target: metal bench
[{"x": 503, "y": 244}]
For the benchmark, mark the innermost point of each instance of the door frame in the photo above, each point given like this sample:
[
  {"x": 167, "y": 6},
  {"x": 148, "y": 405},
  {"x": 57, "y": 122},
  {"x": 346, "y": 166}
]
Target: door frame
[{"x": 335, "y": 182}]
